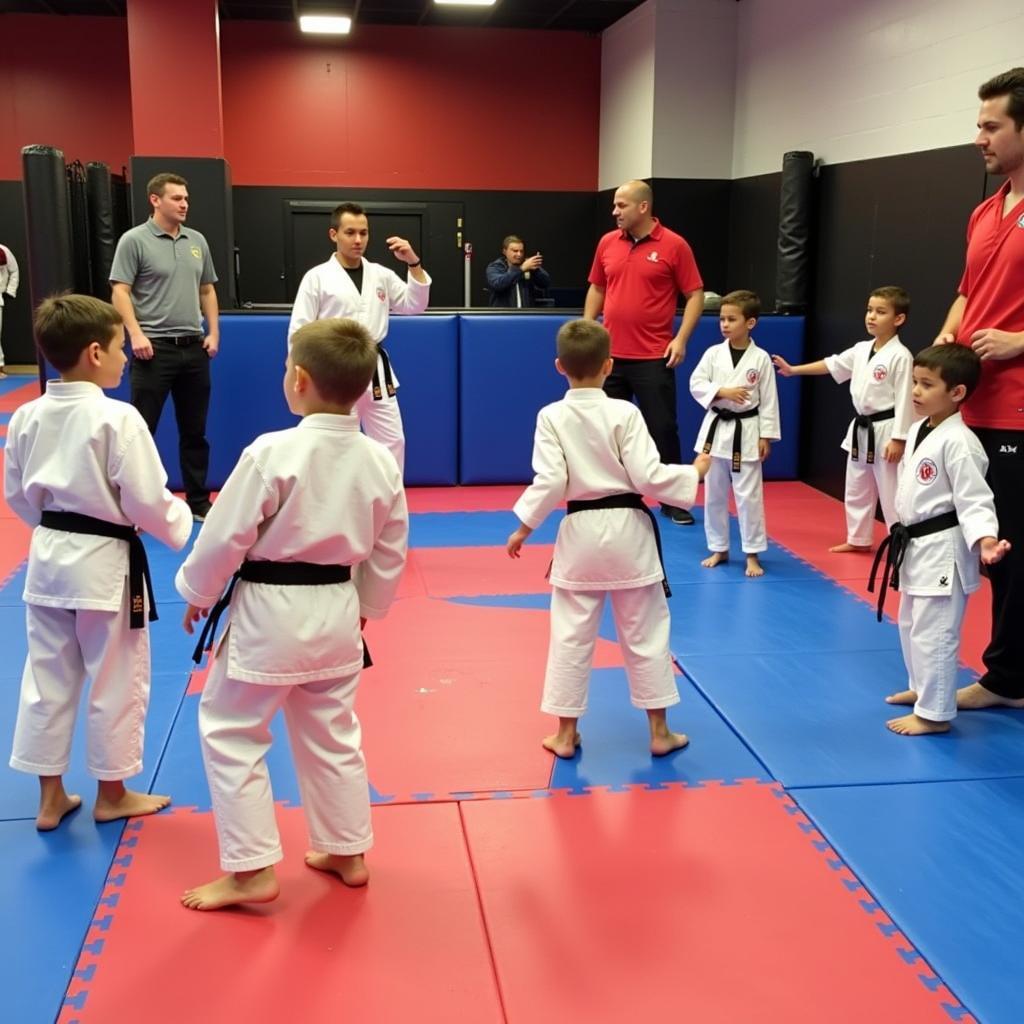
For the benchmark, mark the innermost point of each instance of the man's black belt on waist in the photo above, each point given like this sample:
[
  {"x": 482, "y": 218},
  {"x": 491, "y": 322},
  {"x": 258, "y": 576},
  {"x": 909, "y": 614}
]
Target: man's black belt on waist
[
  {"x": 625, "y": 501},
  {"x": 138, "y": 564},
  {"x": 866, "y": 422},
  {"x": 181, "y": 340},
  {"x": 737, "y": 437},
  {"x": 894, "y": 548},
  {"x": 389, "y": 380},
  {"x": 288, "y": 574}
]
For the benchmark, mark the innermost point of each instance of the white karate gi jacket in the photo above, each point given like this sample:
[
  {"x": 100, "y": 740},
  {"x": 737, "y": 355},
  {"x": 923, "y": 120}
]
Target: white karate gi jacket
[
  {"x": 319, "y": 492},
  {"x": 76, "y": 450},
  {"x": 883, "y": 380},
  {"x": 9, "y": 275},
  {"x": 590, "y": 446},
  {"x": 755, "y": 371},
  {"x": 946, "y": 472}
]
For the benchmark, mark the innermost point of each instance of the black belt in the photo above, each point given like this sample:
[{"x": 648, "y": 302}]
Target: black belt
[
  {"x": 625, "y": 501},
  {"x": 737, "y": 436},
  {"x": 896, "y": 544},
  {"x": 866, "y": 422},
  {"x": 181, "y": 340},
  {"x": 138, "y": 564},
  {"x": 288, "y": 574},
  {"x": 389, "y": 381}
]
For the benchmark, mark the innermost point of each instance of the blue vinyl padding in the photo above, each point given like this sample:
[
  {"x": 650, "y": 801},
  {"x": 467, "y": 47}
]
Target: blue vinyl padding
[
  {"x": 473, "y": 529},
  {"x": 507, "y": 374},
  {"x": 945, "y": 862},
  {"x": 49, "y": 890}
]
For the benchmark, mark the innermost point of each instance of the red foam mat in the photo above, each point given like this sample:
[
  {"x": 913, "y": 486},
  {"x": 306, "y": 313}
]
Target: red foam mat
[
  {"x": 457, "y": 572},
  {"x": 708, "y": 904},
  {"x": 20, "y": 395},
  {"x": 463, "y": 499},
  {"x": 409, "y": 947}
]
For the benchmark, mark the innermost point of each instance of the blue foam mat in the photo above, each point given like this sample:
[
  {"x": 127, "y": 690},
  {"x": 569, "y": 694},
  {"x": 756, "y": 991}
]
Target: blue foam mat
[
  {"x": 818, "y": 719},
  {"x": 472, "y": 529},
  {"x": 944, "y": 861},
  {"x": 49, "y": 890}
]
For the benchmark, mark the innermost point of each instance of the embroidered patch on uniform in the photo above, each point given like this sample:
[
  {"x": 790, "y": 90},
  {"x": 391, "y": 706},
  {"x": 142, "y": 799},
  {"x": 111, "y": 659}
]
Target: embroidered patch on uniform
[
  {"x": 197, "y": 252},
  {"x": 652, "y": 257},
  {"x": 751, "y": 376},
  {"x": 927, "y": 471},
  {"x": 1020, "y": 221},
  {"x": 381, "y": 294},
  {"x": 880, "y": 372},
  {"x": 943, "y": 581},
  {"x": 1008, "y": 449}
]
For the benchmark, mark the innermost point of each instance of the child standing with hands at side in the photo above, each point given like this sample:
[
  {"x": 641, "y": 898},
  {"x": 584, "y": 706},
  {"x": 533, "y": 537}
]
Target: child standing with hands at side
[
  {"x": 879, "y": 372},
  {"x": 595, "y": 453},
  {"x": 735, "y": 383}
]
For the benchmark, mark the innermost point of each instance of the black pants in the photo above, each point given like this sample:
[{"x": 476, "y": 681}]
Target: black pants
[
  {"x": 653, "y": 385},
  {"x": 1004, "y": 656},
  {"x": 184, "y": 373}
]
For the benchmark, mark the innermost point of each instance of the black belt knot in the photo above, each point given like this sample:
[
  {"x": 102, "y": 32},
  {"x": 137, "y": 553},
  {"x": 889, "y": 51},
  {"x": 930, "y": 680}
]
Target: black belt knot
[
  {"x": 138, "y": 563},
  {"x": 389, "y": 380},
  {"x": 625, "y": 501},
  {"x": 289, "y": 574},
  {"x": 867, "y": 423},
  {"x": 737, "y": 436},
  {"x": 894, "y": 549}
]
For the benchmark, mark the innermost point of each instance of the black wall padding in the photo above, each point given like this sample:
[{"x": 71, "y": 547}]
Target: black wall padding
[
  {"x": 102, "y": 238},
  {"x": 47, "y": 224},
  {"x": 121, "y": 197},
  {"x": 791, "y": 288},
  {"x": 79, "y": 228}
]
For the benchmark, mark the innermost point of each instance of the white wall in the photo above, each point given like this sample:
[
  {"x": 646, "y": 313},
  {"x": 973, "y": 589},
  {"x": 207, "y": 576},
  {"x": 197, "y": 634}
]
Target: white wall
[{"x": 857, "y": 79}]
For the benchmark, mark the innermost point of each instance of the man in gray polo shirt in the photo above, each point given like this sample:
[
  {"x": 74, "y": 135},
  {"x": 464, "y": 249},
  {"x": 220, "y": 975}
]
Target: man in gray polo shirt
[{"x": 161, "y": 280}]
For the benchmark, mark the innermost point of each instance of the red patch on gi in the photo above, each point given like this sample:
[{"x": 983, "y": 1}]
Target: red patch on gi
[
  {"x": 381, "y": 294},
  {"x": 926, "y": 471},
  {"x": 751, "y": 376},
  {"x": 879, "y": 373}
]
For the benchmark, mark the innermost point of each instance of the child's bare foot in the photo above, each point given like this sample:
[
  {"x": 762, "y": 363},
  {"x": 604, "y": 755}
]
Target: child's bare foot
[
  {"x": 53, "y": 811},
  {"x": 975, "y": 697},
  {"x": 665, "y": 744},
  {"x": 228, "y": 890},
  {"x": 561, "y": 745},
  {"x": 351, "y": 870},
  {"x": 715, "y": 558},
  {"x": 903, "y": 697},
  {"x": 754, "y": 567},
  {"x": 912, "y": 725},
  {"x": 113, "y": 801},
  {"x": 842, "y": 549}
]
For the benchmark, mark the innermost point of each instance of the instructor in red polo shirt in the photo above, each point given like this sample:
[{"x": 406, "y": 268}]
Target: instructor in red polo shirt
[
  {"x": 638, "y": 273},
  {"x": 988, "y": 315}
]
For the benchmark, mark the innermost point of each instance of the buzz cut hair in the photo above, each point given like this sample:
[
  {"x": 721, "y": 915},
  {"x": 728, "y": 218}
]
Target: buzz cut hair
[
  {"x": 341, "y": 209},
  {"x": 339, "y": 355}
]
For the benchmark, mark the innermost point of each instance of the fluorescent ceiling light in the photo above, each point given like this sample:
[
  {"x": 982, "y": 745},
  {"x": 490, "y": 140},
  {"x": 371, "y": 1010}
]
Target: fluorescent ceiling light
[
  {"x": 465, "y": 3},
  {"x": 325, "y": 24}
]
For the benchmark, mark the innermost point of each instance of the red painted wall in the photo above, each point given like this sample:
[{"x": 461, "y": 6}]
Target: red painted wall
[
  {"x": 411, "y": 107},
  {"x": 64, "y": 83}
]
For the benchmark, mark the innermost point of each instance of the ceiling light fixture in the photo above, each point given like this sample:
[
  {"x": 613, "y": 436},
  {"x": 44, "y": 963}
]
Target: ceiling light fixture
[
  {"x": 325, "y": 24},
  {"x": 465, "y": 3}
]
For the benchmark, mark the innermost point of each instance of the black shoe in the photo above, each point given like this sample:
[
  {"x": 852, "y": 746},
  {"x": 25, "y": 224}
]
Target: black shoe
[
  {"x": 201, "y": 511},
  {"x": 679, "y": 516}
]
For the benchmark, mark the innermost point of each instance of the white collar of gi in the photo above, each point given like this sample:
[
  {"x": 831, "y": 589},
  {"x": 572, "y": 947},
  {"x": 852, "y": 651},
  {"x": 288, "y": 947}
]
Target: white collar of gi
[{"x": 330, "y": 421}]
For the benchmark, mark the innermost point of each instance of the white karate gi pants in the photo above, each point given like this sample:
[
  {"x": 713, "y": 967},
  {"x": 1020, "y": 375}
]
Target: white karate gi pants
[
  {"x": 865, "y": 486},
  {"x": 326, "y": 742},
  {"x": 66, "y": 646},
  {"x": 930, "y": 638},
  {"x": 642, "y": 624},
  {"x": 381, "y": 419},
  {"x": 748, "y": 488}
]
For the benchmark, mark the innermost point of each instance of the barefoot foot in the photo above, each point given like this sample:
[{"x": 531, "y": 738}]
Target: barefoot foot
[
  {"x": 842, "y": 549},
  {"x": 903, "y": 697},
  {"x": 351, "y": 870},
  {"x": 754, "y": 567},
  {"x": 227, "y": 891},
  {"x": 715, "y": 558},
  {"x": 975, "y": 697},
  {"x": 561, "y": 745},
  {"x": 53, "y": 812},
  {"x": 912, "y": 725},
  {"x": 665, "y": 744},
  {"x": 127, "y": 804}
]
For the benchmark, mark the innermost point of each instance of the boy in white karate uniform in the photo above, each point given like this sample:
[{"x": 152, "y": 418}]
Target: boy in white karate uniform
[
  {"x": 349, "y": 285},
  {"x": 84, "y": 471},
  {"x": 735, "y": 382},
  {"x": 595, "y": 453},
  {"x": 312, "y": 525},
  {"x": 946, "y": 521},
  {"x": 879, "y": 371}
]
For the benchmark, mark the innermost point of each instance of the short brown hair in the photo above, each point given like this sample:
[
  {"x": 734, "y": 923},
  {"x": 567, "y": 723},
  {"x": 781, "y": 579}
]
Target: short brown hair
[
  {"x": 895, "y": 296},
  {"x": 339, "y": 355},
  {"x": 510, "y": 240},
  {"x": 157, "y": 184},
  {"x": 955, "y": 364},
  {"x": 583, "y": 347},
  {"x": 1011, "y": 84},
  {"x": 747, "y": 302},
  {"x": 66, "y": 325},
  {"x": 342, "y": 208}
]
